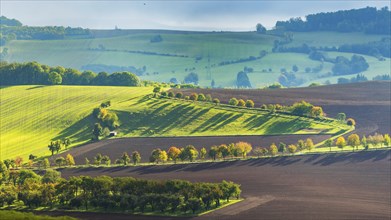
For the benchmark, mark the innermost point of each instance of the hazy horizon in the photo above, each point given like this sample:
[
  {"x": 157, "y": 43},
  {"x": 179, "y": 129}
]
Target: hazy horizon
[{"x": 170, "y": 15}]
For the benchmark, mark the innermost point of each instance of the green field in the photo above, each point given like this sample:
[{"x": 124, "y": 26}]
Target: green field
[
  {"x": 32, "y": 116},
  {"x": 213, "y": 46}
]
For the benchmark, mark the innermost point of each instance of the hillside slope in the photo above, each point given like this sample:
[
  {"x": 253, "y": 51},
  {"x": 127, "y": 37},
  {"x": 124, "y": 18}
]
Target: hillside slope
[
  {"x": 368, "y": 102},
  {"x": 180, "y": 53},
  {"x": 32, "y": 116}
]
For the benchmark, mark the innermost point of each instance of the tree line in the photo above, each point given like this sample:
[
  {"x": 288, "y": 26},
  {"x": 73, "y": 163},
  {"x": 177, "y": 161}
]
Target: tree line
[
  {"x": 301, "y": 108},
  {"x": 368, "y": 20},
  {"x": 34, "y": 73},
  {"x": 12, "y": 29},
  {"x": 124, "y": 194}
]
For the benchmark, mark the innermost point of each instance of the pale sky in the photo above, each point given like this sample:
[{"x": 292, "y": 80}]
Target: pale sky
[{"x": 177, "y": 15}]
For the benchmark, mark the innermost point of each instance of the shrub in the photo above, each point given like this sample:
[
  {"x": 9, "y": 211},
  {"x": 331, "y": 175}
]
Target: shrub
[
  {"x": 193, "y": 97},
  {"x": 233, "y": 101},
  {"x": 201, "y": 97},
  {"x": 164, "y": 93},
  {"x": 216, "y": 101},
  {"x": 179, "y": 95},
  {"x": 241, "y": 103},
  {"x": 351, "y": 122},
  {"x": 249, "y": 104},
  {"x": 170, "y": 94}
]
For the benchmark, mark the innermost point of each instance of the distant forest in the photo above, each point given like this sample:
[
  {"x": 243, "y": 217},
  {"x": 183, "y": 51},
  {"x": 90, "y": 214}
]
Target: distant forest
[
  {"x": 33, "y": 73},
  {"x": 12, "y": 29},
  {"x": 368, "y": 20}
]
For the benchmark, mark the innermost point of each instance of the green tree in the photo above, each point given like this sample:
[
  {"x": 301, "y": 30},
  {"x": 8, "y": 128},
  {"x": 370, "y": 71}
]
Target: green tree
[
  {"x": 155, "y": 155},
  {"x": 203, "y": 153},
  {"x": 97, "y": 131},
  {"x": 4, "y": 172},
  {"x": 301, "y": 145},
  {"x": 282, "y": 147},
  {"x": 179, "y": 95},
  {"x": 213, "y": 152},
  {"x": 194, "y": 204},
  {"x": 233, "y": 101},
  {"x": 316, "y": 111},
  {"x": 54, "y": 78},
  {"x": 260, "y": 29},
  {"x": 191, "y": 152},
  {"x": 201, "y": 97},
  {"x": 163, "y": 156},
  {"x": 156, "y": 90},
  {"x": 244, "y": 148},
  {"x": 309, "y": 144},
  {"x": 52, "y": 147},
  {"x": 106, "y": 160},
  {"x": 223, "y": 149},
  {"x": 249, "y": 104},
  {"x": 69, "y": 160},
  {"x": 341, "y": 116},
  {"x": 364, "y": 142},
  {"x": 60, "y": 161},
  {"x": 241, "y": 103},
  {"x": 136, "y": 157},
  {"x": 125, "y": 158},
  {"x": 351, "y": 122},
  {"x": 387, "y": 140},
  {"x": 292, "y": 148},
  {"x": 51, "y": 176},
  {"x": 328, "y": 143}
]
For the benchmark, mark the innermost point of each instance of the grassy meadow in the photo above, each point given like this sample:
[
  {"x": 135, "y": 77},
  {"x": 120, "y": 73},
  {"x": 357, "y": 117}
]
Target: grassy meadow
[
  {"x": 32, "y": 116},
  {"x": 213, "y": 46}
]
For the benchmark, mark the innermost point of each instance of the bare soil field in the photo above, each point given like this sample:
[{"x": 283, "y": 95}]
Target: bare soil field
[
  {"x": 369, "y": 103},
  {"x": 114, "y": 148},
  {"x": 329, "y": 186}
]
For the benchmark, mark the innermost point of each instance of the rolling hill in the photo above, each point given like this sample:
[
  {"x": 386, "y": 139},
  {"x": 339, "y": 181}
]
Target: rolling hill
[
  {"x": 181, "y": 52},
  {"x": 32, "y": 116}
]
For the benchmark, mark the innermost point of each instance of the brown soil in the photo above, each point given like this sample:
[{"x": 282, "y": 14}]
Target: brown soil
[
  {"x": 334, "y": 186},
  {"x": 114, "y": 148},
  {"x": 369, "y": 102}
]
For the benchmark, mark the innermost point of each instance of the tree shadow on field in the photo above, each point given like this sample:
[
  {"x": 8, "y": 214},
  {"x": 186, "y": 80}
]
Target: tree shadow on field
[
  {"x": 37, "y": 87},
  {"x": 77, "y": 132},
  {"x": 354, "y": 157}
]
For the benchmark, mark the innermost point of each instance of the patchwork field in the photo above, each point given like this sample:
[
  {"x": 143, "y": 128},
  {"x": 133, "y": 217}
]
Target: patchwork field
[
  {"x": 183, "y": 52},
  {"x": 32, "y": 116},
  {"x": 368, "y": 103},
  {"x": 331, "y": 186}
]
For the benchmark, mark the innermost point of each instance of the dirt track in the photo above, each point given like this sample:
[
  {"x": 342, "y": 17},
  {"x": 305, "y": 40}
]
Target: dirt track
[
  {"x": 115, "y": 147},
  {"x": 369, "y": 102},
  {"x": 336, "y": 186}
]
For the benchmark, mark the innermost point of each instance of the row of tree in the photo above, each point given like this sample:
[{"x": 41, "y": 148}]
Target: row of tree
[
  {"x": 12, "y": 29},
  {"x": 368, "y": 20},
  {"x": 33, "y": 73},
  {"x": 354, "y": 141},
  {"x": 116, "y": 194}
]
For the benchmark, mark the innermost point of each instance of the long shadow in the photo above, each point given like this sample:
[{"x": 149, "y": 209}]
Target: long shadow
[
  {"x": 228, "y": 121},
  {"x": 323, "y": 160},
  {"x": 79, "y": 131},
  {"x": 213, "y": 121},
  {"x": 257, "y": 121},
  {"x": 37, "y": 87}
]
